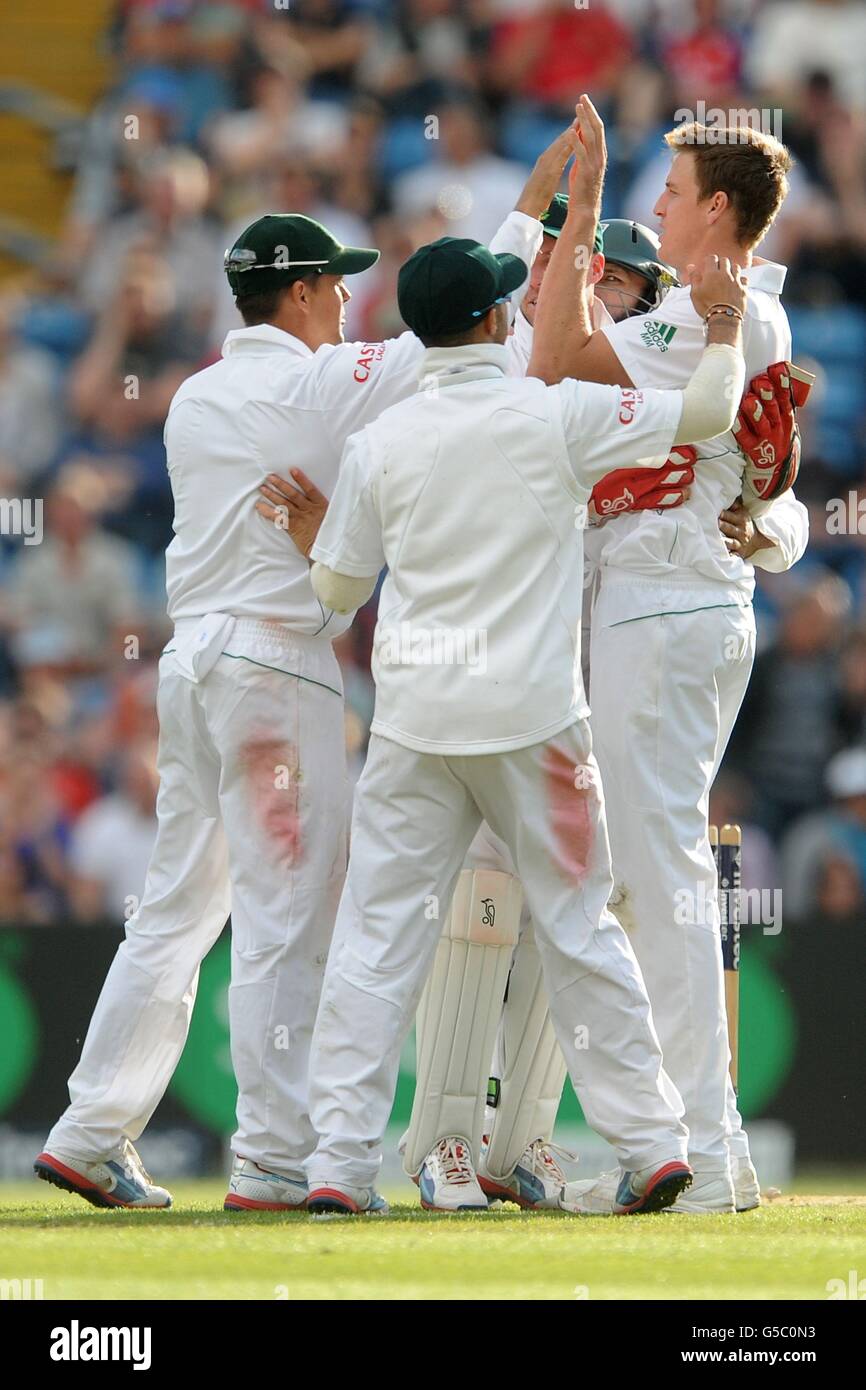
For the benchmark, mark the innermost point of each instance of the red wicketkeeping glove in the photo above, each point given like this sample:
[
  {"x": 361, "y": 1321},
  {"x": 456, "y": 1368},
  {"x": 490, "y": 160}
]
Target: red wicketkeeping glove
[
  {"x": 767, "y": 432},
  {"x": 642, "y": 489}
]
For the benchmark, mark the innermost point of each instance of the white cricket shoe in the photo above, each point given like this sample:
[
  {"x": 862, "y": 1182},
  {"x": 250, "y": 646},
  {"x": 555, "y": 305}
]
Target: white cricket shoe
[
  {"x": 339, "y": 1199},
  {"x": 447, "y": 1179},
  {"x": 536, "y": 1183},
  {"x": 252, "y": 1188},
  {"x": 747, "y": 1189},
  {"x": 622, "y": 1193},
  {"x": 711, "y": 1192},
  {"x": 118, "y": 1180}
]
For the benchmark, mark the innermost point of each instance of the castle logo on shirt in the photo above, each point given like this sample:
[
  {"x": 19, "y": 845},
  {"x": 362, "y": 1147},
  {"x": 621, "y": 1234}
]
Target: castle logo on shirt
[{"x": 657, "y": 334}]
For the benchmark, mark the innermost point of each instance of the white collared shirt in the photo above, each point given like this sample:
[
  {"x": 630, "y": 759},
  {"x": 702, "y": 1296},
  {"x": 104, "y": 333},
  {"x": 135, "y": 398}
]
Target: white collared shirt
[
  {"x": 683, "y": 548},
  {"x": 270, "y": 405},
  {"x": 474, "y": 493}
]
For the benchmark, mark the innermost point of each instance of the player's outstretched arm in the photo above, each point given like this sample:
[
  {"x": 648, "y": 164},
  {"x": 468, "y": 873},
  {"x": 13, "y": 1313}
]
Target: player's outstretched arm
[
  {"x": 546, "y": 175},
  {"x": 608, "y": 428},
  {"x": 562, "y": 322}
]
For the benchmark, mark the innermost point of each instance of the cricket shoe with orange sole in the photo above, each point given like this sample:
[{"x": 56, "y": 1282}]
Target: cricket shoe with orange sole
[
  {"x": 340, "y": 1199},
  {"x": 535, "y": 1185},
  {"x": 252, "y": 1188},
  {"x": 117, "y": 1180},
  {"x": 622, "y": 1193},
  {"x": 447, "y": 1180}
]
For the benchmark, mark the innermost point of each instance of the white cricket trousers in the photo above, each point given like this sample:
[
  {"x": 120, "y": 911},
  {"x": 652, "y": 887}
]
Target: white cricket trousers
[
  {"x": 665, "y": 693},
  {"x": 252, "y": 813},
  {"x": 415, "y": 815}
]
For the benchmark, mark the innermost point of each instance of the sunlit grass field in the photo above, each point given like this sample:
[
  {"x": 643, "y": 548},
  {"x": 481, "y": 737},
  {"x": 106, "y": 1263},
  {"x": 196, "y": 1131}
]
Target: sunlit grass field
[{"x": 789, "y": 1249}]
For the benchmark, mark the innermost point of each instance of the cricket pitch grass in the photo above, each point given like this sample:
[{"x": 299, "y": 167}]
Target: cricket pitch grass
[{"x": 792, "y": 1248}]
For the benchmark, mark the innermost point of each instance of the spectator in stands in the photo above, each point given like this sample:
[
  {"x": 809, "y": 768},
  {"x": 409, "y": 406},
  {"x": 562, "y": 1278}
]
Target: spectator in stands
[
  {"x": 112, "y": 841},
  {"x": 791, "y": 719},
  {"x": 705, "y": 58},
  {"x": 73, "y": 596},
  {"x": 34, "y": 835},
  {"x": 329, "y": 37},
  {"x": 550, "y": 52},
  {"x": 792, "y": 38},
  {"x": 143, "y": 347},
  {"x": 471, "y": 188},
  {"x": 171, "y": 195},
  {"x": 824, "y": 853},
  {"x": 128, "y": 128},
  {"x": 181, "y": 38},
  {"x": 31, "y": 409},
  {"x": 279, "y": 120},
  {"x": 422, "y": 48}
]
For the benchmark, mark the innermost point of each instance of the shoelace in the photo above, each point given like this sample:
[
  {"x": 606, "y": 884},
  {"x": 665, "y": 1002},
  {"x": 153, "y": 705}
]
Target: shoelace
[
  {"x": 543, "y": 1160},
  {"x": 132, "y": 1164},
  {"x": 456, "y": 1165}
]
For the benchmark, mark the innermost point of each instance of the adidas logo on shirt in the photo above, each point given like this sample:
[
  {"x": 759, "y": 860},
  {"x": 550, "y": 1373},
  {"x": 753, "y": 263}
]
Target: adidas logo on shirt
[{"x": 658, "y": 335}]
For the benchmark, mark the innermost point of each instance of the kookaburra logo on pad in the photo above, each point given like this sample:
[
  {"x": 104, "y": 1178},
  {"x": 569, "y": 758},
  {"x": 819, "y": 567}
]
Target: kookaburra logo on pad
[
  {"x": 489, "y": 916},
  {"x": 617, "y": 504}
]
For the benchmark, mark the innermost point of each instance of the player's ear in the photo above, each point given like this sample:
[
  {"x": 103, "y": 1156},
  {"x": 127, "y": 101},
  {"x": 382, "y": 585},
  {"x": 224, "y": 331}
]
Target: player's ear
[
  {"x": 717, "y": 206},
  {"x": 495, "y": 323},
  {"x": 301, "y": 293},
  {"x": 596, "y": 268}
]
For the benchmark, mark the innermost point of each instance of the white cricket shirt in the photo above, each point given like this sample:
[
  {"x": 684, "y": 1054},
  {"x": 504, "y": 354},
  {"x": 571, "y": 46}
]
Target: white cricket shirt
[
  {"x": 473, "y": 493},
  {"x": 681, "y": 553},
  {"x": 269, "y": 405}
]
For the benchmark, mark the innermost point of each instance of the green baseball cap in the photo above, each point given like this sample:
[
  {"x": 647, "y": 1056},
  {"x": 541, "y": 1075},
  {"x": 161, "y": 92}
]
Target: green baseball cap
[
  {"x": 284, "y": 246},
  {"x": 553, "y": 220},
  {"x": 448, "y": 285}
]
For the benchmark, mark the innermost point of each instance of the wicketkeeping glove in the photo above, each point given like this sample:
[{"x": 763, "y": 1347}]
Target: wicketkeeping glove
[
  {"x": 767, "y": 432},
  {"x": 641, "y": 489}
]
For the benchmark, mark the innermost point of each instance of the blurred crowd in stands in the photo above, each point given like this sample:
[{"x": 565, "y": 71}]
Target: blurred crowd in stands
[{"x": 393, "y": 122}]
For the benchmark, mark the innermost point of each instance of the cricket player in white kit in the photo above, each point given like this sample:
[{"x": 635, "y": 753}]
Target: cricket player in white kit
[
  {"x": 674, "y": 736},
  {"x": 674, "y": 610},
  {"x": 253, "y": 793},
  {"x": 469, "y": 494}
]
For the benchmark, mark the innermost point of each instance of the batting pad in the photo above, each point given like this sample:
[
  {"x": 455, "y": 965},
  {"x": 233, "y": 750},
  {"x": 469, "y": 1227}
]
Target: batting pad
[
  {"x": 459, "y": 1013},
  {"x": 528, "y": 1063}
]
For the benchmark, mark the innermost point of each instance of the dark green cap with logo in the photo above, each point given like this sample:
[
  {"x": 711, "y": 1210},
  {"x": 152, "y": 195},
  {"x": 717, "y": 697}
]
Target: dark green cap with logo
[
  {"x": 553, "y": 220},
  {"x": 285, "y": 246},
  {"x": 449, "y": 285}
]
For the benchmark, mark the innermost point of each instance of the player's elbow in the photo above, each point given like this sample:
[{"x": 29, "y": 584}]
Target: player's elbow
[{"x": 342, "y": 593}]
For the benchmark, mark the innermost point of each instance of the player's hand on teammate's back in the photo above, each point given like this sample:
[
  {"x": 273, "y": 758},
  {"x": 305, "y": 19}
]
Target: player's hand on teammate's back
[
  {"x": 717, "y": 282},
  {"x": 296, "y": 507},
  {"x": 742, "y": 536}
]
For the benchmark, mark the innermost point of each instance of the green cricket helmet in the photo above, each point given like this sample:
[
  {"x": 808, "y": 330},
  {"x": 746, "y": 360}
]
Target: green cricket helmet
[{"x": 637, "y": 248}]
